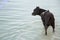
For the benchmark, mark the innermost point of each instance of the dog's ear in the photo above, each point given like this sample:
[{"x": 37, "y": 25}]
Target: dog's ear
[
  {"x": 37, "y": 7},
  {"x": 48, "y": 10}
]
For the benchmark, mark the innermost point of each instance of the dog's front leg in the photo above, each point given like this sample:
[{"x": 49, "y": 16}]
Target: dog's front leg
[{"x": 46, "y": 27}]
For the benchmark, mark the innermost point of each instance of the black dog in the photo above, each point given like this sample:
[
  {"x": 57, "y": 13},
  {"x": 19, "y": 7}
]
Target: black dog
[{"x": 46, "y": 16}]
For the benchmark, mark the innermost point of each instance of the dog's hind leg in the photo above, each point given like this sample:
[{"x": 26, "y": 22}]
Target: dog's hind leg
[{"x": 53, "y": 26}]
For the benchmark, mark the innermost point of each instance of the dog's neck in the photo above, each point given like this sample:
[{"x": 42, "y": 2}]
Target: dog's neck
[
  {"x": 41, "y": 11},
  {"x": 44, "y": 12}
]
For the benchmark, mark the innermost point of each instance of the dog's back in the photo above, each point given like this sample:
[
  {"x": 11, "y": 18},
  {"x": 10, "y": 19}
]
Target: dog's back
[{"x": 47, "y": 18}]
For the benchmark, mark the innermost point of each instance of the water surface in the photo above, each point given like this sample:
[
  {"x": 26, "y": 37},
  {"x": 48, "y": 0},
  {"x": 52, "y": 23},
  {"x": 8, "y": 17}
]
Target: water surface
[{"x": 17, "y": 22}]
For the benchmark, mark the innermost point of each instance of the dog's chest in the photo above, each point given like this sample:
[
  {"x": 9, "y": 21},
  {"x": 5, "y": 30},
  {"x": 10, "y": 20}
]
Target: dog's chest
[
  {"x": 42, "y": 15},
  {"x": 43, "y": 18}
]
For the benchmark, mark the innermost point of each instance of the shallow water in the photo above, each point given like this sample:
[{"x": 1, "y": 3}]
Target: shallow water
[{"x": 17, "y": 22}]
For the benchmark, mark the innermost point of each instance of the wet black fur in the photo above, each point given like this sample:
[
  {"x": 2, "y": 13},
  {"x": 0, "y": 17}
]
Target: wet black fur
[{"x": 47, "y": 18}]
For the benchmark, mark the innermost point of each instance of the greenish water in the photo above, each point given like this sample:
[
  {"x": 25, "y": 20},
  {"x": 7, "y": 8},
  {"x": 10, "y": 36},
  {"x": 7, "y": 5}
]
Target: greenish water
[{"x": 17, "y": 22}]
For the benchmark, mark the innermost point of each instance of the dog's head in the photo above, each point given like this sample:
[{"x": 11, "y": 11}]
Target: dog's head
[{"x": 36, "y": 11}]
